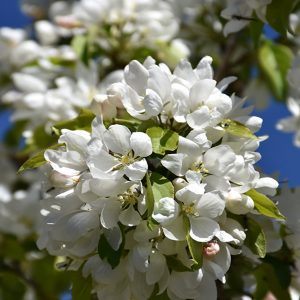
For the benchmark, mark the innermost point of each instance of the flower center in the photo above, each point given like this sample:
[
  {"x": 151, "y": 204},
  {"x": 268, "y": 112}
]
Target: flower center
[
  {"x": 190, "y": 209},
  {"x": 211, "y": 249}
]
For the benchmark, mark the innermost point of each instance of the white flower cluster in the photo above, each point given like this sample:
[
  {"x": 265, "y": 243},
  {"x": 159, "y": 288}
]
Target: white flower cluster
[{"x": 145, "y": 215}]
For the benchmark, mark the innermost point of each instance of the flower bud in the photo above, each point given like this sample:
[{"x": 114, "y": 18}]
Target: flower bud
[
  {"x": 238, "y": 203},
  {"x": 211, "y": 249},
  {"x": 179, "y": 183},
  {"x": 62, "y": 181}
]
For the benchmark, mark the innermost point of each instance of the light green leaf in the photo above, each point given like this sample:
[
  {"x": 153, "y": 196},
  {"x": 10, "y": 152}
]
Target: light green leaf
[
  {"x": 163, "y": 139},
  {"x": 236, "y": 128},
  {"x": 275, "y": 61},
  {"x": 37, "y": 160},
  {"x": 278, "y": 13},
  {"x": 81, "y": 287},
  {"x": 82, "y": 121},
  {"x": 161, "y": 187},
  {"x": 196, "y": 251},
  {"x": 256, "y": 240},
  {"x": 265, "y": 205},
  {"x": 80, "y": 46}
]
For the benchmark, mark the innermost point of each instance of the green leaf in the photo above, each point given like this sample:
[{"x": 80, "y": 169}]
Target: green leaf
[
  {"x": 162, "y": 139},
  {"x": 237, "y": 129},
  {"x": 256, "y": 240},
  {"x": 275, "y": 61},
  {"x": 175, "y": 264},
  {"x": 82, "y": 121},
  {"x": 255, "y": 31},
  {"x": 81, "y": 287},
  {"x": 80, "y": 46},
  {"x": 196, "y": 251},
  {"x": 12, "y": 287},
  {"x": 13, "y": 135},
  {"x": 265, "y": 205},
  {"x": 37, "y": 160},
  {"x": 163, "y": 296},
  {"x": 149, "y": 196},
  {"x": 267, "y": 280},
  {"x": 41, "y": 139},
  {"x": 161, "y": 187},
  {"x": 106, "y": 251},
  {"x": 278, "y": 13}
]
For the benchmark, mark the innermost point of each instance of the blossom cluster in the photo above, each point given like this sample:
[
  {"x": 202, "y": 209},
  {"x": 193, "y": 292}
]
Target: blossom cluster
[{"x": 147, "y": 201}]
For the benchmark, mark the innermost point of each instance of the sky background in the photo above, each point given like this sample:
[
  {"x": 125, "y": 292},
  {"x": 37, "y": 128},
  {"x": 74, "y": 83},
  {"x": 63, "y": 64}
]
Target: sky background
[{"x": 279, "y": 155}]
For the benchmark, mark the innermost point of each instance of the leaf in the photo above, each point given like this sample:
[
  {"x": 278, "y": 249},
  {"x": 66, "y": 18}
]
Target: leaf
[
  {"x": 255, "y": 239},
  {"x": 275, "y": 61},
  {"x": 106, "y": 251},
  {"x": 41, "y": 139},
  {"x": 162, "y": 139},
  {"x": 196, "y": 251},
  {"x": 82, "y": 121},
  {"x": 161, "y": 187},
  {"x": 195, "y": 248},
  {"x": 237, "y": 129},
  {"x": 80, "y": 46},
  {"x": 256, "y": 29},
  {"x": 175, "y": 264},
  {"x": 266, "y": 280},
  {"x": 163, "y": 296},
  {"x": 13, "y": 135},
  {"x": 81, "y": 287},
  {"x": 37, "y": 160},
  {"x": 264, "y": 205},
  {"x": 278, "y": 13},
  {"x": 150, "y": 196}
]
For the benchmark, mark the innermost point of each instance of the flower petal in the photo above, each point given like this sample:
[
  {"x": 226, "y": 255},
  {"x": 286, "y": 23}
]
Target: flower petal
[
  {"x": 203, "y": 229},
  {"x": 141, "y": 144}
]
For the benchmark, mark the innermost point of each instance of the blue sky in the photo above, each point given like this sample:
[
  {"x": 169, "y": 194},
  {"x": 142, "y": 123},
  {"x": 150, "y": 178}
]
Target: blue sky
[{"x": 278, "y": 152}]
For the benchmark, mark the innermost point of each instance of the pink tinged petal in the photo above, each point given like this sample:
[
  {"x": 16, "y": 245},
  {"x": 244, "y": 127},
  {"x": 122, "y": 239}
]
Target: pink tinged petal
[
  {"x": 136, "y": 170},
  {"x": 176, "y": 230},
  {"x": 159, "y": 82},
  {"x": 203, "y": 229},
  {"x": 130, "y": 217},
  {"x": 200, "y": 92},
  {"x": 219, "y": 160},
  {"x": 210, "y": 205},
  {"x": 141, "y": 144},
  {"x": 110, "y": 214},
  {"x": 200, "y": 118},
  {"x": 204, "y": 69},
  {"x": 185, "y": 71},
  {"x": 153, "y": 103},
  {"x": 117, "y": 138},
  {"x": 73, "y": 226},
  {"x": 136, "y": 75},
  {"x": 157, "y": 264}
]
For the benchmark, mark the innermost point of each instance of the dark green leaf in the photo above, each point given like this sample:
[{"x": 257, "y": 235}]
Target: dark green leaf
[
  {"x": 278, "y": 13},
  {"x": 81, "y": 287},
  {"x": 255, "y": 239},
  {"x": 255, "y": 31},
  {"x": 149, "y": 196},
  {"x": 175, "y": 264},
  {"x": 163, "y": 296},
  {"x": 264, "y": 205},
  {"x": 275, "y": 61},
  {"x": 162, "y": 139},
  {"x": 14, "y": 134},
  {"x": 106, "y": 251}
]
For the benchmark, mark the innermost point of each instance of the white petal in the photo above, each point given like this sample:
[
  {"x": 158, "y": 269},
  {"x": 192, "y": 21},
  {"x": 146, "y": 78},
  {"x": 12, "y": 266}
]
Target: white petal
[
  {"x": 207, "y": 288},
  {"x": 185, "y": 71},
  {"x": 204, "y": 69},
  {"x": 114, "y": 237},
  {"x": 203, "y": 229},
  {"x": 136, "y": 170},
  {"x": 165, "y": 211},
  {"x": 130, "y": 217},
  {"x": 110, "y": 214},
  {"x": 153, "y": 103},
  {"x": 28, "y": 83},
  {"x": 141, "y": 144},
  {"x": 117, "y": 139},
  {"x": 200, "y": 118},
  {"x": 176, "y": 230},
  {"x": 190, "y": 193},
  {"x": 210, "y": 205},
  {"x": 159, "y": 82},
  {"x": 156, "y": 268},
  {"x": 175, "y": 163}
]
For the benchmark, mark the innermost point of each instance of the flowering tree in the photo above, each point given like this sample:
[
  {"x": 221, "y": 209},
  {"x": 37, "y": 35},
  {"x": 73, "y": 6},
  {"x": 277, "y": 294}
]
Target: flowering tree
[{"x": 136, "y": 151}]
